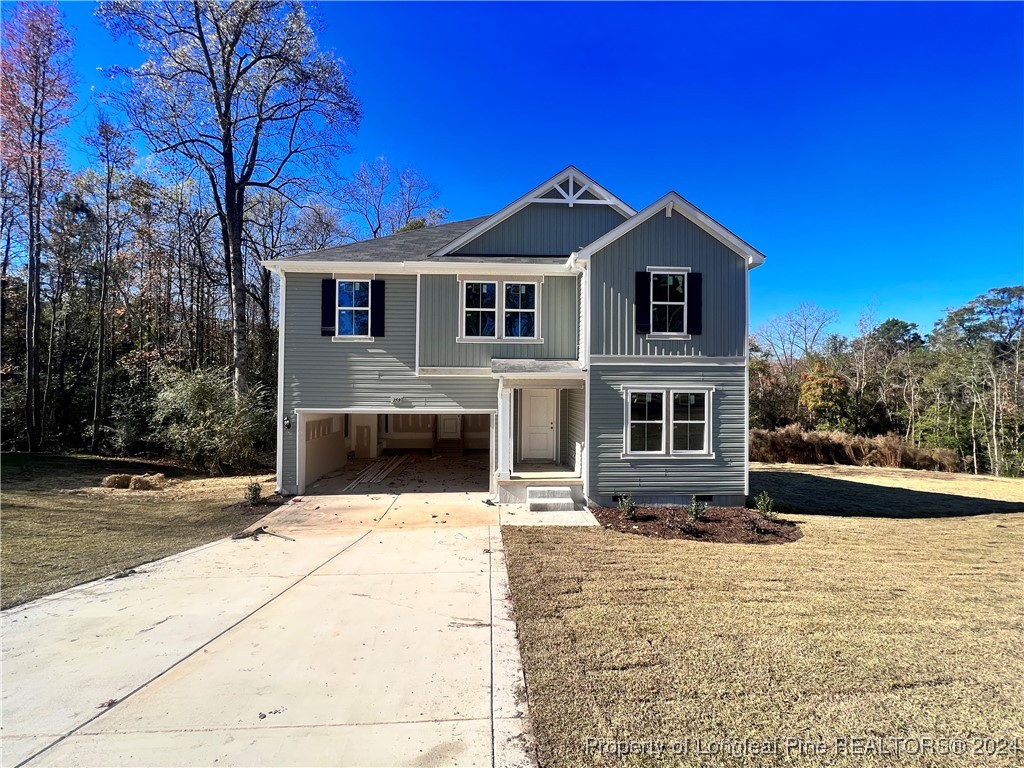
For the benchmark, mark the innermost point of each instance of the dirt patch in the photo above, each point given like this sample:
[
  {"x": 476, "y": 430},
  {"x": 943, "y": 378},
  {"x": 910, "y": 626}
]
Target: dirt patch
[{"x": 722, "y": 525}]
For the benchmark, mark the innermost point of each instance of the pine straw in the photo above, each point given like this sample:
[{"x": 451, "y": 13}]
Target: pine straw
[
  {"x": 60, "y": 528},
  {"x": 866, "y": 626}
]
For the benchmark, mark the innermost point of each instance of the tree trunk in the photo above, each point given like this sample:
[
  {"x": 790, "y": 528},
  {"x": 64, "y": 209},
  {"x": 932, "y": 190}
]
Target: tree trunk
[
  {"x": 234, "y": 200},
  {"x": 97, "y": 401}
]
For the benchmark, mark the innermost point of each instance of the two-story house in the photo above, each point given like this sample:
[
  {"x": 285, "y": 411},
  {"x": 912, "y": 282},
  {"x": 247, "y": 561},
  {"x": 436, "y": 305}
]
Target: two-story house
[{"x": 576, "y": 340}]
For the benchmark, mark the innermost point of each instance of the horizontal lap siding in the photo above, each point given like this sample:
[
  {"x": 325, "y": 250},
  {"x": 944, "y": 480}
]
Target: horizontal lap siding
[
  {"x": 577, "y": 414},
  {"x": 667, "y": 242},
  {"x": 321, "y": 373},
  {"x": 611, "y": 475},
  {"x": 440, "y": 318},
  {"x": 545, "y": 229}
]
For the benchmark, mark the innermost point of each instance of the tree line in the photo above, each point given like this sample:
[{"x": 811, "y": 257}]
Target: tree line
[
  {"x": 958, "y": 388},
  {"x": 131, "y": 284}
]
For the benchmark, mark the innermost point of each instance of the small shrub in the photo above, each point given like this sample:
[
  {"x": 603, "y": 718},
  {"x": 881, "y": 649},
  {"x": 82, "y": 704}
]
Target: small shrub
[
  {"x": 765, "y": 506},
  {"x": 696, "y": 510},
  {"x": 627, "y": 507},
  {"x": 253, "y": 494}
]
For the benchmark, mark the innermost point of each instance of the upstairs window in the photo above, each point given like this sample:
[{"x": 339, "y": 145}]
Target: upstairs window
[
  {"x": 353, "y": 309},
  {"x": 668, "y": 302},
  {"x": 481, "y": 310},
  {"x": 520, "y": 310}
]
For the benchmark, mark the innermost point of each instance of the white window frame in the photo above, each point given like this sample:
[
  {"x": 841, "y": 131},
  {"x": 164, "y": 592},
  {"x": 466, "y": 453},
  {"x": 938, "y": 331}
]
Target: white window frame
[
  {"x": 686, "y": 291},
  {"x": 667, "y": 449},
  {"x": 535, "y": 310},
  {"x": 463, "y": 309},
  {"x": 707, "y": 421},
  {"x": 368, "y": 308},
  {"x": 629, "y": 422},
  {"x": 499, "y": 310}
]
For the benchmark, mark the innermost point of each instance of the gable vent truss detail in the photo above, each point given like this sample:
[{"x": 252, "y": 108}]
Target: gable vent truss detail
[{"x": 573, "y": 191}]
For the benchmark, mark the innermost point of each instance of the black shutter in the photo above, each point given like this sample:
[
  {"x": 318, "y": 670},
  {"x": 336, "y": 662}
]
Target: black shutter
[
  {"x": 694, "y": 304},
  {"x": 328, "y": 306},
  {"x": 643, "y": 302},
  {"x": 376, "y": 307}
]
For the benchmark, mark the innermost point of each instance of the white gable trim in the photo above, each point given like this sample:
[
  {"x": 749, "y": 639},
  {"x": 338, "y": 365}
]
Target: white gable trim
[
  {"x": 578, "y": 184},
  {"x": 671, "y": 204}
]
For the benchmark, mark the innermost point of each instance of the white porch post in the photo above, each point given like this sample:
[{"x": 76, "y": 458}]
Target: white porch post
[{"x": 504, "y": 431}]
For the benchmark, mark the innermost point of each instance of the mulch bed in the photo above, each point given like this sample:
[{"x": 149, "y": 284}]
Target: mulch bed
[
  {"x": 723, "y": 525},
  {"x": 266, "y": 505}
]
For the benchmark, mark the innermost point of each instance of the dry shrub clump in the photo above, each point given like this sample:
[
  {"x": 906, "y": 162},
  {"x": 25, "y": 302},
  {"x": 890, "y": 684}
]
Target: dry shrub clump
[
  {"x": 794, "y": 445},
  {"x": 136, "y": 482}
]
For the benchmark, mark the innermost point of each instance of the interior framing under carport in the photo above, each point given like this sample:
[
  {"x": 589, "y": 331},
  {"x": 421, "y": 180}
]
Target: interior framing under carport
[{"x": 304, "y": 415}]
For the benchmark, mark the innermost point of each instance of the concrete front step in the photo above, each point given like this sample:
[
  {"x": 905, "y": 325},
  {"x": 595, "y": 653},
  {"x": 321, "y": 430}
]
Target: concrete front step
[{"x": 551, "y": 498}]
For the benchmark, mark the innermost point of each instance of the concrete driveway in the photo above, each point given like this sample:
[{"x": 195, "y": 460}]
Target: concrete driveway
[{"x": 381, "y": 636}]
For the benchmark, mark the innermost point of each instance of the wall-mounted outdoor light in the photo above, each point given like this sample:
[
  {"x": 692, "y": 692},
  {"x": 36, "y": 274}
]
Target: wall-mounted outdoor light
[{"x": 287, "y": 422}]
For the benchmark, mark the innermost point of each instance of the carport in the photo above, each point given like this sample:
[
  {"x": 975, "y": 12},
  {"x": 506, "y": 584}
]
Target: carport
[{"x": 329, "y": 440}]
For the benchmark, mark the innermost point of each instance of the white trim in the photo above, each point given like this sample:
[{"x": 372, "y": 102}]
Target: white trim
[
  {"x": 535, "y": 375},
  {"x": 453, "y": 371},
  {"x": 361, "y": 339},
  {"x": 665, "y": 360},
  {"x": 752, "y": 256},
  {"x": 499, "y": 310},
  {"x": 683, "y": 335},
  {"x": 426, "y": 409},
  {"x": 512, "y": 269},
  {"x": 667, "y": 421},
  {"x": 746, "y": 389},
  {"x": 369, "y": 308},
  {"x": 584, "y": 458},
  {"x": 280, "y": 383},
  {"x": 670, "y": 270},
  {"x": 419, "y": 307},
  {"x": 534, "y": 196},
  {"x": 505, "y": 426},
  {"x": 708, "y": 393}
]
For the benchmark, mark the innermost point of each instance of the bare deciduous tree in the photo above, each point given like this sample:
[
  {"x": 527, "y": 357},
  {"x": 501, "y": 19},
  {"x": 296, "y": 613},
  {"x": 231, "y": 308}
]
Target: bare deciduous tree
[
  {"x": 387, "y": 201},
  {"x": 35, "y": 101},
  {"x": 240, "y": 91}
]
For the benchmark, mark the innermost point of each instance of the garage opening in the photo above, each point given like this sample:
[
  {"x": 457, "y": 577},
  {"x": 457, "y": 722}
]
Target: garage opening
[{"x": 395, "y": 452}]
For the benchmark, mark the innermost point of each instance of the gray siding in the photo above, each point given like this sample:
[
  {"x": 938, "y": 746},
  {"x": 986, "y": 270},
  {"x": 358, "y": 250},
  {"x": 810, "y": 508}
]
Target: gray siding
[
  {"x": 544, "y": 229},
  {"x": 660, "y": 478},
  {"x": 320, "y": 373},
  {"x": 675, "y": 242},
  {"x": 576, "y": 415},
  {"x": 439, "y": 325},
  {"x": 563, "y": 426}
]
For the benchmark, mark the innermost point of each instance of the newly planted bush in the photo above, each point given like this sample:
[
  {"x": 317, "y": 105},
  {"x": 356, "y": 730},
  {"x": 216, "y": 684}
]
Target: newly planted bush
[
  {"x": 765, "y": 506},
  {"x": 627, "y": 506},
  {"x": 696, "y": 510},
  {"x": 253, "y": 493}
]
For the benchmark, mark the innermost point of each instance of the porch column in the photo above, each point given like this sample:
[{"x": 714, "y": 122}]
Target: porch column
[{"x": 504, "y": 427}]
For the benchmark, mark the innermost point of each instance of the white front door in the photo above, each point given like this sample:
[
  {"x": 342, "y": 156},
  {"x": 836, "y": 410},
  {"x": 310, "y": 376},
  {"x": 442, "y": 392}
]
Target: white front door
[{"x": 538, "y": 423}]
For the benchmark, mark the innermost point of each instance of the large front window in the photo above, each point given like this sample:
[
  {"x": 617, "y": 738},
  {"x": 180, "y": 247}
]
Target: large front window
[
  {"x": 674, "y": 421},
  {"x": 481, "y": 310},
  {"x": 668, "y": 302},
  {"x": 500, "y": 311},
  {"x": 353, "y": 308}
]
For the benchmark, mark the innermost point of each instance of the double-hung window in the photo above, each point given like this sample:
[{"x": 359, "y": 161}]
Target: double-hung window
[
  {"x": 500, "y": 310},
  {"x": 668, "y": 302},
  {"x": 481, "y": 310},
  {"x": 675, "y": 421},
  {"x": 353, "y": 309},
  {"x": 646, "y": 433},
  {"x": 520, "y": 310}
]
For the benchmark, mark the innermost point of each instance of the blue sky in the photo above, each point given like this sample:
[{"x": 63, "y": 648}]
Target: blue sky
[{"x": 873, "y": 151}]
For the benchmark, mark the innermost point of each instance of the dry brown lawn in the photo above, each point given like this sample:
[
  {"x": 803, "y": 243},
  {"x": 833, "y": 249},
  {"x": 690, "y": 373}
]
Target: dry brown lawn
[
  {"x": 58, "y": 528},
  {"x": 867, "y": 628}
]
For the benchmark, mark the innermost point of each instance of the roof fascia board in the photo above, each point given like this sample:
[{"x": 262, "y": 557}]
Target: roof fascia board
[
  {"x": 525, "y": 200},
  {"x": 674, "y": 203},
  {"x": 413, "y": 268}
]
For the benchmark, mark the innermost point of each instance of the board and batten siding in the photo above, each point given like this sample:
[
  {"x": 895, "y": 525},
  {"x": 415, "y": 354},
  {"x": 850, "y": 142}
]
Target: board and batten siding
[
  {"x": 440, "y": 320},
  {"x": 666, "y": 479},
  {"x": 545, "y": 229},
  {"x": 667, "y": 242},
  {"x": 321, "y": 373}
]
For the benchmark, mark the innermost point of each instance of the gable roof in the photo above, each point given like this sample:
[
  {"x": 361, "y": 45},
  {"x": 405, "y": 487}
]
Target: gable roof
[
  {"x": 568, "y": 187},
  {"x": 675, "y": 203},
  {"x": 414, "y": 245}
]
